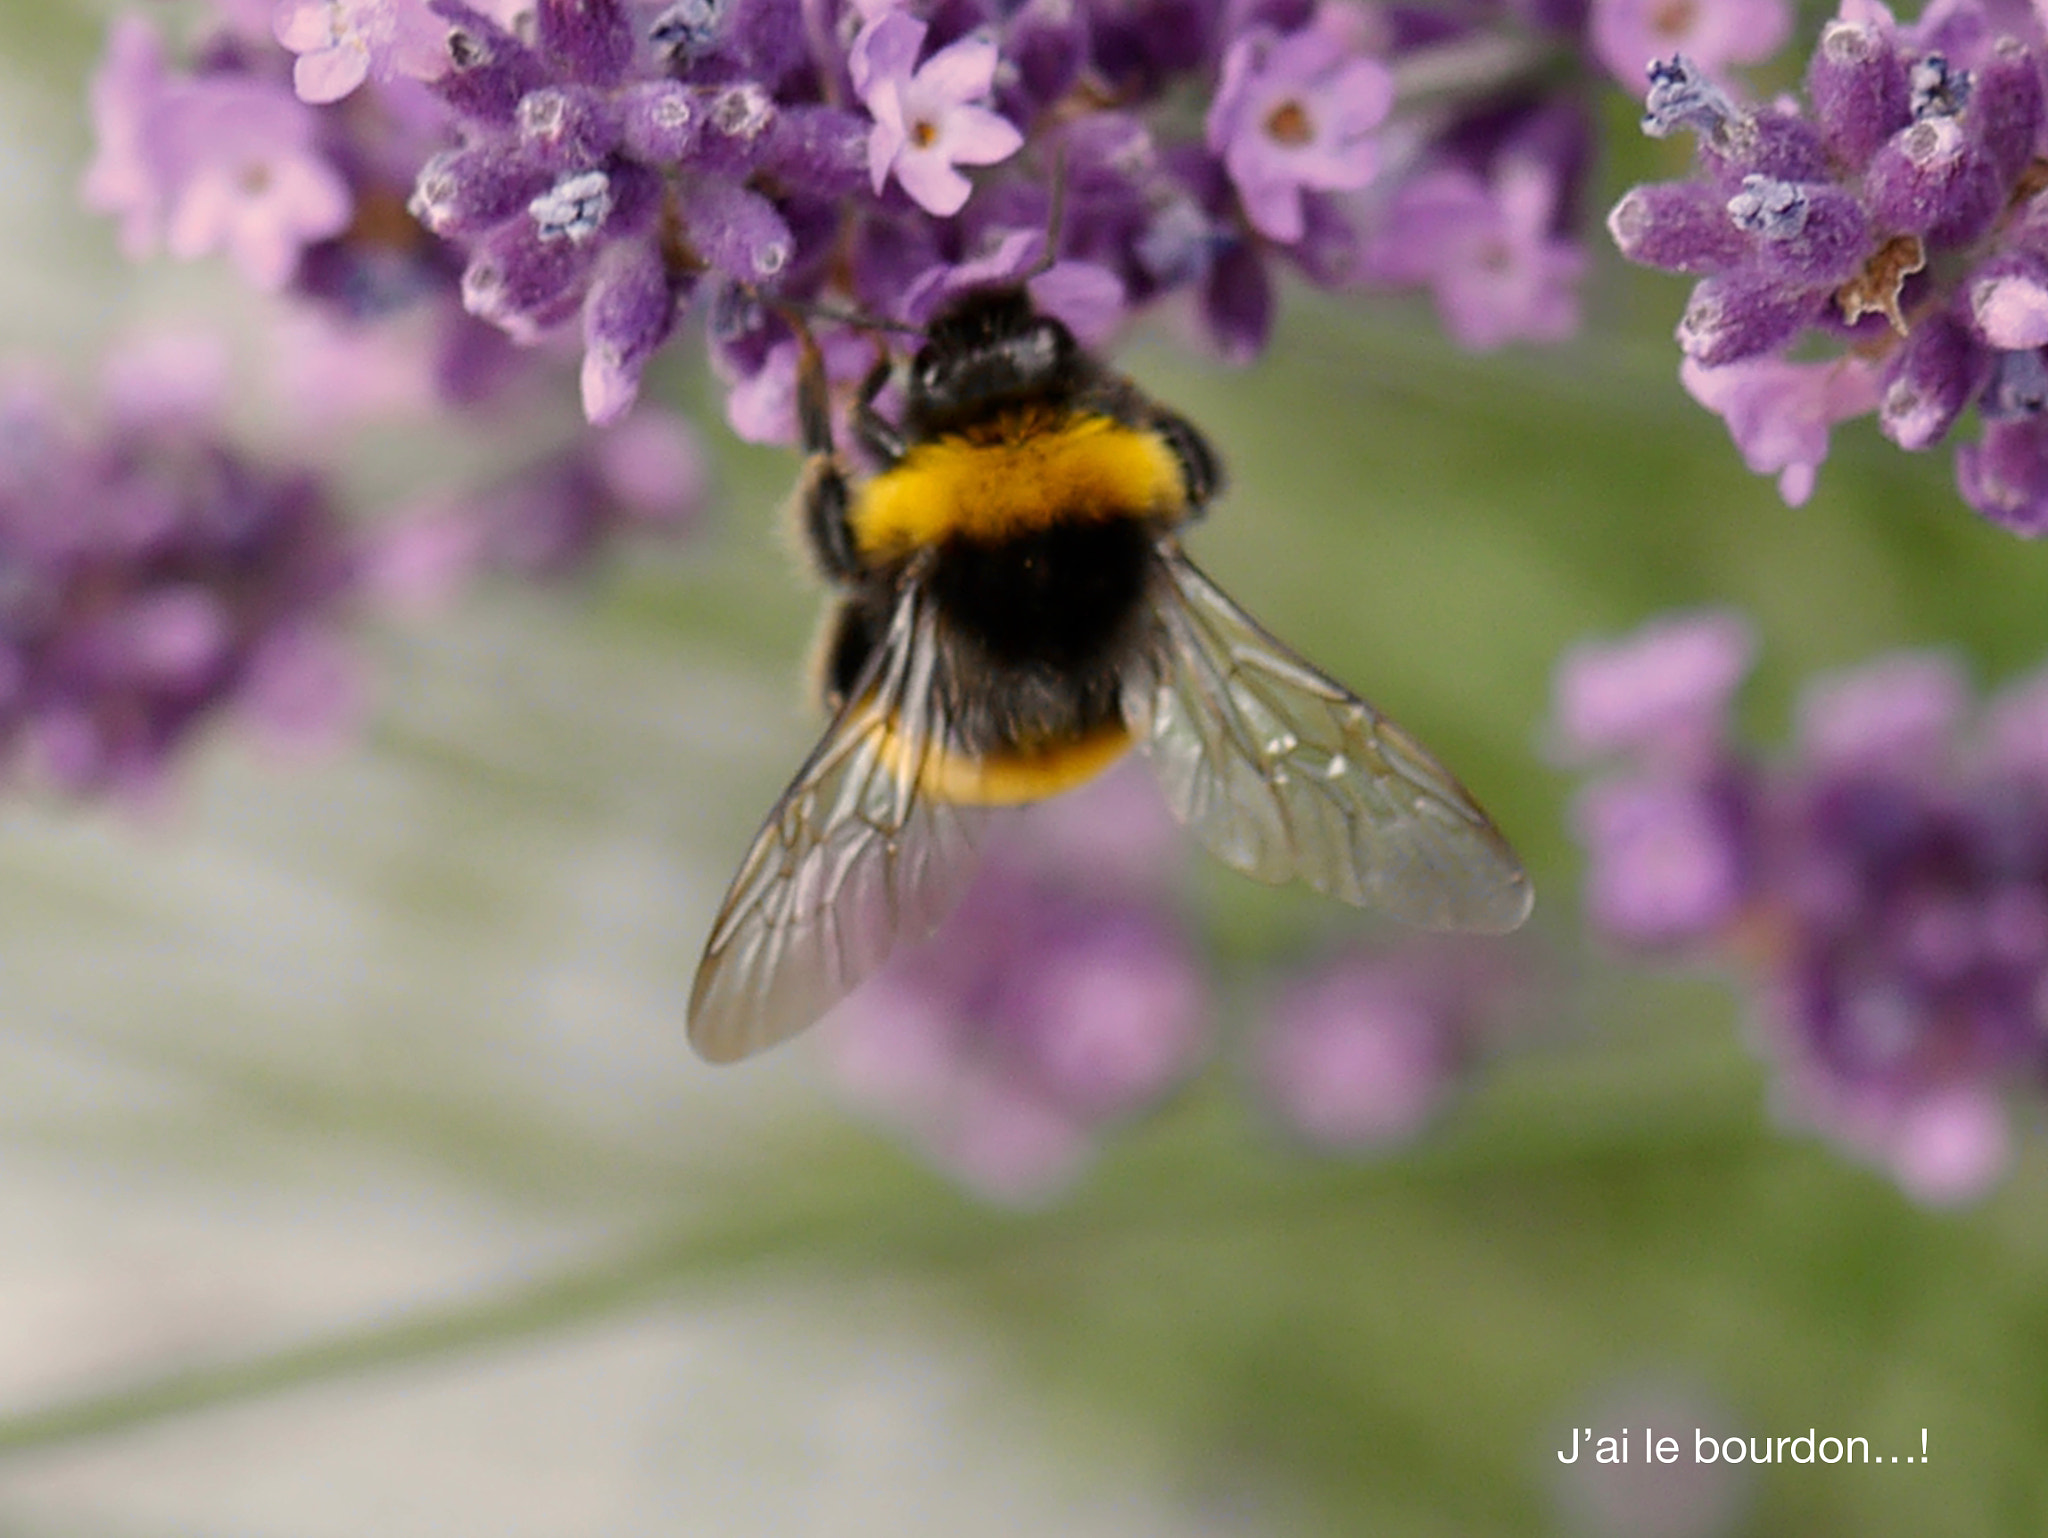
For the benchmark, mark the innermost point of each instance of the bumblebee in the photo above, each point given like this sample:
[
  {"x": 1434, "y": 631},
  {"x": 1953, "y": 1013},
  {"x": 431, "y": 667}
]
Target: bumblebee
[{"x": 1012, "y": 612}]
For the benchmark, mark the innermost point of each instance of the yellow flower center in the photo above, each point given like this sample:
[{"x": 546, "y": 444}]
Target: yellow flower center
[
  {"x": 1290, "y": 124},
  {"x": 1674, "y": 18}
]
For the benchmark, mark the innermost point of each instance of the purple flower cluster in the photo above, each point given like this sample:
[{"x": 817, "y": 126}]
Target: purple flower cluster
[
  {"x": 1474, "y": 196},
  {"x": 304, "y": 194},
  {"x": 1068, "y": 994},
  {"x": 1364, "y": 1050},
  {"x": 594, "y": 170},
  {"x": 555, "y": 516},
  {"x": 1884, "y": 891},
  {"x": 1890, "y": 223},
  {"x": 153, "y": 577}
]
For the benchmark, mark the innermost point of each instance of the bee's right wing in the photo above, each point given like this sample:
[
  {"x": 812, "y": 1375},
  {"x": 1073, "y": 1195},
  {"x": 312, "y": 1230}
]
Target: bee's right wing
[
  {"x": 1285, "y": 774},
  {"x": 852, "y": 861}
]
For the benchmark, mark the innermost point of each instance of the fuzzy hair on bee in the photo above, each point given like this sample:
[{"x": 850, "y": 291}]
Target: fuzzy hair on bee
[{"x": 1011, "y": 613}]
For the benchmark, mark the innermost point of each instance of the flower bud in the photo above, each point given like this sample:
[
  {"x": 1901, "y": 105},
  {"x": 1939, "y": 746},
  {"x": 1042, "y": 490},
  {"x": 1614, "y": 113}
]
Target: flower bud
[
  {"x": 2008, "y": 300},
  {"x": 629, "y": 312},
  {"x": 462, "y": 194},
  {"x": 1935, "y": 181},
  {"x": 735, "y": 230},
  {"x": 2008, "y": 107},
  {"x": 593, "y": 39},
  {"x": 1815, "y": 236},
  {"x": 1928, "y": 382},
  {"x": 1678, "y": 226},
  {"x": 1857, "y": 84},
  {"x": 489, "y": 70},
  {"x": 2004, "y": 475},
  {"x": 1742, "y": 313},
  {"x": 1779, "y": 145},
  {"x": 567, "y": 127},
  {"x": 662, "y": 121}
]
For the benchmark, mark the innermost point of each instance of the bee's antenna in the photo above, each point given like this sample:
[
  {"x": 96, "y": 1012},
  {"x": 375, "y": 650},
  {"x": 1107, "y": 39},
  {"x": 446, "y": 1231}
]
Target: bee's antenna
[
  {"x": 1055, "y": 218},
  {"x": 796, "y": 311}
]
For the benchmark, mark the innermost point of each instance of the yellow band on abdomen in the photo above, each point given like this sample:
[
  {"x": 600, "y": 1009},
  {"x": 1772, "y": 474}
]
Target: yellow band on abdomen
[{"x": 1011, "y": 778}]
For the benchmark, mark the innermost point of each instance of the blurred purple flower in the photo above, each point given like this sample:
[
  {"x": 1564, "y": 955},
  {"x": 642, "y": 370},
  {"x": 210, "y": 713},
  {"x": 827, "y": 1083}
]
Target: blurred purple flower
[
  {"x": 1490, "y": 251},
  {"x": 342, "y": 43},
  {"x": 1662, "y": 692},
  {"x": 1885, "y": 893},
  {"x": 1297, "y": 112},
  {"x": 1362, "y": 1050},
  {"x": 123, "y": 179},
  {"x": 247, "y": 178},
  {"x": 228, "y": 163},
  {"x": 1664, "y": 859},
  {"x": 154, "y": 577},
  {"x": 1062, "y": 995},
  {"x": 1900, "y": 713},
  {"x": 555, "y": 515},
  {"x": 1630, "y": 35}
]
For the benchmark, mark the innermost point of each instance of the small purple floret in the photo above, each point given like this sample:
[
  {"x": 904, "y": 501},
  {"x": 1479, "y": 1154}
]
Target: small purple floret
[
  {"x": 1295, "y": 113},
  {"x": 930, "y": 121},
  {"x": 1780, "y": 414},
  {"x": 342, "y": 43},
  {"x": 1857, "y": 83},
  {"x": 1929, "y": 381}
]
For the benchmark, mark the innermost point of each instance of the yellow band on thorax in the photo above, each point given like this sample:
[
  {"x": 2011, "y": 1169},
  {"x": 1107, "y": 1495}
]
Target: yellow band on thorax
[{"x": 1020, "y": 474}]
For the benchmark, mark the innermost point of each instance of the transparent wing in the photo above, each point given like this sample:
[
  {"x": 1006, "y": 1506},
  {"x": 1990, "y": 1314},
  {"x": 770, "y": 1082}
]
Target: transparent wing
[
  {"x": 851, "y": 862},
  {"x": 1283, "y": 773}
]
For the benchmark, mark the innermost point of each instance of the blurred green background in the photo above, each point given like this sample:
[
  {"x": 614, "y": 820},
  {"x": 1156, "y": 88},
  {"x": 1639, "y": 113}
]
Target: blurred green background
[{"x": 354, "y": 1176}]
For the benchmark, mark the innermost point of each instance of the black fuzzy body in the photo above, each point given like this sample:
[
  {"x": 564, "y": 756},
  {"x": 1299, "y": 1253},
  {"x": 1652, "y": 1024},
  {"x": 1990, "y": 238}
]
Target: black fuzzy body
[{"x": 1036, "y": 633}]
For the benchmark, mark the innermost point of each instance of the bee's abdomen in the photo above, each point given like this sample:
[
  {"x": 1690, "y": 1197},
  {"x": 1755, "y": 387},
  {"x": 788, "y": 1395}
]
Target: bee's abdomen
[
  {"x": 1060, "y": 599},
  {"x": 1040, "y": 631}
]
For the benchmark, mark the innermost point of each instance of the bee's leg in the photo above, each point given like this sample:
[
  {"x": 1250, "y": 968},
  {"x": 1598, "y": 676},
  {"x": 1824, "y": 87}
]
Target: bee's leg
[
  {"x": 1200, "y": 468},
  {"x": 823, "y": 498},
  {"x": 877, "y": 434},
  {"x": 846, "y": 640}
]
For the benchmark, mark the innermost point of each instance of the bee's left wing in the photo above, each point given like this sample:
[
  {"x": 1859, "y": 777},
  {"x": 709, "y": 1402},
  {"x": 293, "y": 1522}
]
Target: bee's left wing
[
  {"x": 852, "y": 861},
  {"x": 1285, "y": 774}
]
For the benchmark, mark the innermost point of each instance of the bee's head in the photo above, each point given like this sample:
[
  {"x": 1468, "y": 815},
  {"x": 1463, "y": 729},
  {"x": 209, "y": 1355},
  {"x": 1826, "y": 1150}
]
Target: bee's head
[{"x": 988, "y": 348}]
